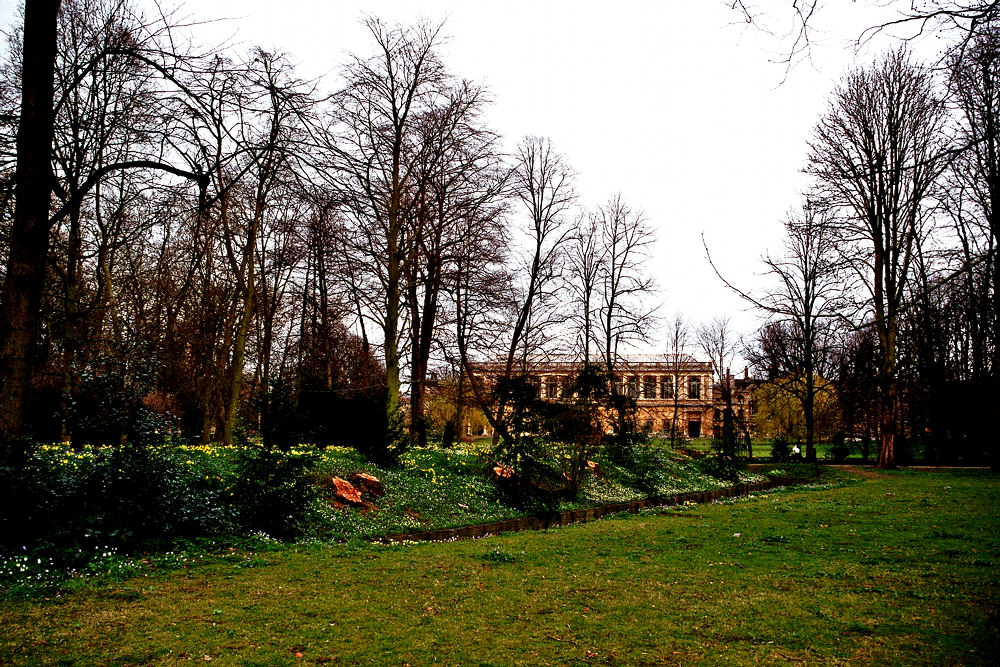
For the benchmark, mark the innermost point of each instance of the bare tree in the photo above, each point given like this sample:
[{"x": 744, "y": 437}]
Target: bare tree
[
  {"x": 973, "y": 191},
  {"x": 505, "y": 299},
  {"x": 124, "y": 56},
  {"x": 794, "y": 348},
  {"x": 102, "y": 117},
  {"x": 484, "y": 304},
  {"x": 719, "y": 343},
  {"x": 625, "y": 313},
  {"x": 543, "y": 183},
  {"x": 376, "y": 167},
  {"x": 270, "y": 110},
  {"x": 677, "y": 344},
  {"x": 876, "y": 156},
  {"x": 464, "y": 179},
  {"x": 583, "y": 269}
]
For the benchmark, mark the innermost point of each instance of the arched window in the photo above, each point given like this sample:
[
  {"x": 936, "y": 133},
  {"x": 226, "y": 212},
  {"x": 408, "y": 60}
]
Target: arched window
[{"x": 694, "y": 387}]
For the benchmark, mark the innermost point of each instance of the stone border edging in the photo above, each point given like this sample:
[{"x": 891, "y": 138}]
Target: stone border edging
[{"x": 576, "y": 516}]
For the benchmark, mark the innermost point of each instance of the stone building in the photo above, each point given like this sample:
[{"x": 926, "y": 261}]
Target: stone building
[{"x": 660, "y": 385}]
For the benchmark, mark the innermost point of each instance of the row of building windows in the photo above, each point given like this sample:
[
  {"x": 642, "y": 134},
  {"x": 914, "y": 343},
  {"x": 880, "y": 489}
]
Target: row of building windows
[{"x": 556, "y": 386}]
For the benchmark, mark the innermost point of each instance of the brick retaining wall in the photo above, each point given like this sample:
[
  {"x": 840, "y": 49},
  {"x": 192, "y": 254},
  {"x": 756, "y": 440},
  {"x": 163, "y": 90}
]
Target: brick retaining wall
[{"x": 577, "y": 516}]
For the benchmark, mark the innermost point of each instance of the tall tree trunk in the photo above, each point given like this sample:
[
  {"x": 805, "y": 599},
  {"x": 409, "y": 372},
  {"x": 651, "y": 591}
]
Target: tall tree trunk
[
  {"x": 390, "y": 344},
  {"x": 72, "y": 337},
  {"x": 809, "y": 408},
  {"x": 422, "y": 337},
  {"x": 888, "y": 403},
  {"x": 29, "y": 236},
  {"x": 231, "y": 408},
  {"x": 459, "y": 419},
  {"x": 418, "y": 370},
  {"x": 887, "y": 428},
  {"x": 992, "y": 379}
]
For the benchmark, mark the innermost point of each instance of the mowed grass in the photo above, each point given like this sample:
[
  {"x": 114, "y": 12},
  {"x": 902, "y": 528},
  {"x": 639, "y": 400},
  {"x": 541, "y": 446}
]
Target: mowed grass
[{"x": 863, "y": 568}]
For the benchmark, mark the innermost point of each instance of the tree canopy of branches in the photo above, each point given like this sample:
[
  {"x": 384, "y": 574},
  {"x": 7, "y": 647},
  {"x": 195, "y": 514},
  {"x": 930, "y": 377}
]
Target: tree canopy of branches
[
  {"x": 625, "y": 286},
  {"x": 801, "y": 20},
  {"x": 377, "y": 166},
  {"x": 973, "y": 187},
  {"x": 206, "y": 238},
  {"x": 86, "y": 96},
  {"x": 794, "y": 350},
  {"x": 876, "y": 156},
  {"x": 542, "y": 183}
]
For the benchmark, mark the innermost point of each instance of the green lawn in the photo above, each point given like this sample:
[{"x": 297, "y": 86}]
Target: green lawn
[
  {"x": 762, "y": 449},
  {"x": 859, "y": 568}
]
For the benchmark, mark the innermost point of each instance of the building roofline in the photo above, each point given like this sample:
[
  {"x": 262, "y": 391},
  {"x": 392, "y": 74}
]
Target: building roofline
[{"x": 625, "y": 362}]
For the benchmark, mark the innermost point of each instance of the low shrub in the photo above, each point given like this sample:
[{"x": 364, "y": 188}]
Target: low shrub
[
  {"x": 719, "y": 467},
  {"x": 273, "y": 492},
  {"x": 64, "y": 504},
  {"x": 528, "y": 479},
  {"x": 781, "y": 449},
  {"x": 839, "y": 451},
  {"x": 647, "y": 464}
]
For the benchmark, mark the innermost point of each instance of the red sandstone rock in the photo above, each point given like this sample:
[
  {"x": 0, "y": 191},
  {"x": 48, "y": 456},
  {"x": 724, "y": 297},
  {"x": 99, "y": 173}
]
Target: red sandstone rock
[
  {"x": 345, "y": 491},
  {"x": 502, "y": 470},
  {"x": 369, "y": 484}
]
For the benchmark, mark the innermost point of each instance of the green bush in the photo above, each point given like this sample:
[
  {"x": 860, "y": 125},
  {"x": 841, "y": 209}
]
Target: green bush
[
  {"x": 781, "y": 449},
  {"x": 839, "y": 451},
  {"x": 65, "y": 504},
  {"x": 718, "y": 467},
  {"x": 726, "y": 446},
  {"x": 127, "y": 497},
  {"x": 646, "y": 463},
  {"x": 273, "y": 493},
  {"x": 532, "y": 482}
]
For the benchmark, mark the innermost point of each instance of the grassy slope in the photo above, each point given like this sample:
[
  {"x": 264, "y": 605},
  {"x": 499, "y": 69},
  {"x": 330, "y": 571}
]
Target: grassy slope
[
  {"x": 434, "y": 488},
  {"x": 898, "y": 568}
]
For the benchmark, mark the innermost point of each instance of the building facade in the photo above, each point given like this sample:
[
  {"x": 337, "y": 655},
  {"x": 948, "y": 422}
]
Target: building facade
[{"x": 664, "y": 387}]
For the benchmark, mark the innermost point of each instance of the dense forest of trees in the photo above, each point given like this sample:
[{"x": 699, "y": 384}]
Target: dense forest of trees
[
  {"x": 885, "y": 299},
  {"x": 208, "y": 238}
]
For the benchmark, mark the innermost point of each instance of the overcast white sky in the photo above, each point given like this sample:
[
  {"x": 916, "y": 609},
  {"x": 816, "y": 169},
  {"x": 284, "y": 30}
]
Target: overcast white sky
[{"x": 675, "y": 104}]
